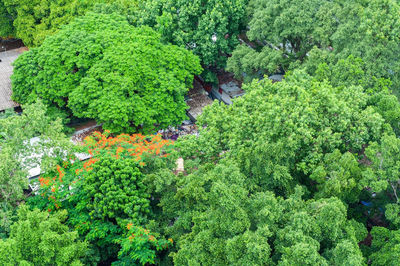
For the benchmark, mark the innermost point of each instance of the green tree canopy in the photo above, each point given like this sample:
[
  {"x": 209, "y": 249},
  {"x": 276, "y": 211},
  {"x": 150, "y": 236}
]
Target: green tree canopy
[
  {"x": 299, "y": 131},
  {"x": 385, "y": 246},
  {"x": 6, "y": 21},
  {"x": 216, "y": 220},
  {"x": 383, "y": 175},
  {"x": 38, "y": 238},
  {"x": 337, "y": 142},
  {"x": 33, "y": 20},
  {"x": 100, "y": 67},
  {"x": 115, "y": 189},
  {"x": 208, "y": 27},
  {"x": 107, "y": 193},
  {"x": 285, "y": 33},
  {"x": 16, "y": 150}
]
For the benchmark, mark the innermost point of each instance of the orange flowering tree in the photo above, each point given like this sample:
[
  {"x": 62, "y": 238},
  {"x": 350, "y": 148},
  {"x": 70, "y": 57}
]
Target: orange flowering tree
[
  {"x": 142, "y": 150},
  {"x": 107, "y": 191}
]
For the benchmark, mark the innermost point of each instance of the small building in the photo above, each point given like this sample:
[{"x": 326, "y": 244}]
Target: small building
[{"x": 228, "y": 88}]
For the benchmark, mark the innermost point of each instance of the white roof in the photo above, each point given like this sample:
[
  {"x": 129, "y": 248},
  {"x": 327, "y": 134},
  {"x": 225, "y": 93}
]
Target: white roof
[{"x": 34, "y": 170}]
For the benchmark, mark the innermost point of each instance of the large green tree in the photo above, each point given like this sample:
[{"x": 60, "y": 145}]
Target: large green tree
[
  {"x": 281, "y": 35},
  {"x": 385, "y": 246},
  {"x": 299, "y": 131},
  {"x": 38, "y": 238},
  {"x": 216, "y": 220},
  {"x": 338, "y": 142},
  {"x": 32, "y": 21},
  {"x": 370, "y": 30},
  {"x": 284, "y": 34},
  {"x": 207, "y": 27},
  {"x": 100, "y": 67}
]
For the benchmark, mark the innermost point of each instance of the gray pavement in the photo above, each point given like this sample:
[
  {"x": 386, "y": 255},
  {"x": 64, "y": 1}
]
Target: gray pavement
[{"x": 6, "y": 70}]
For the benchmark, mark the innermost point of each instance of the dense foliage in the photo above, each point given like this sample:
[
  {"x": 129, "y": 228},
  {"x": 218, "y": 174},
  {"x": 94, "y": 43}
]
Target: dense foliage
[
  {"x": 295, "y": 132},
  {"x": 209, "y": 28},
  {"x": 38, "y": 238},
  {"x": 17, "y": 154},
  {"x": 299, "y": 172},
  {"x": 333, "y": 142},
  {"x": 32, "y": 21},
  {"x": 284, "y": 34},
  {"x": 140, "y": 245},
  {"x": 219, "y": 221},
  {"x": 6, "y": 22},
  {"x": 100, "y": 67},
  {"x": 106, "y": 193},
  {"x": 385, "y": 246}
]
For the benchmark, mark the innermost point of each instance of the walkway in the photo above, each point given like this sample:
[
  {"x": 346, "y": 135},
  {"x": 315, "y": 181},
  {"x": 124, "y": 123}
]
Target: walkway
[{"x": 6, "y": 70}]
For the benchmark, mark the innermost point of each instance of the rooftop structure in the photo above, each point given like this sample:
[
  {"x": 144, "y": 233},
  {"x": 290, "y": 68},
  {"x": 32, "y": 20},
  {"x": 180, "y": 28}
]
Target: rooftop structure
[{"x": 228, "y": 88}]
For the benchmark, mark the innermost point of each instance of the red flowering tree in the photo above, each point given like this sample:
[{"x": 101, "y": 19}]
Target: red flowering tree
[{"x": 106, "y": 192}]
